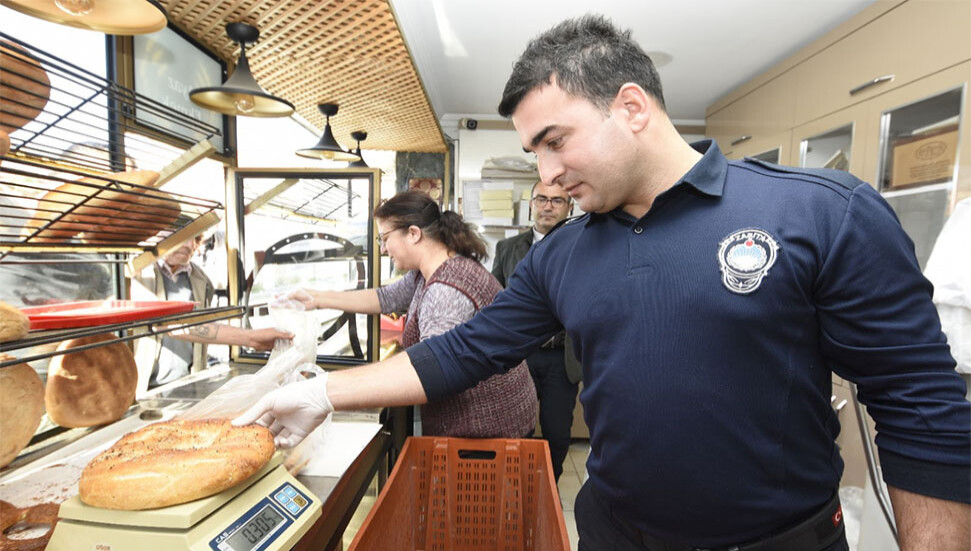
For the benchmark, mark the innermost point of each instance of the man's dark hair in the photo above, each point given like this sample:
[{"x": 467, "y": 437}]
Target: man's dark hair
[{"x": 589, "y": 57}]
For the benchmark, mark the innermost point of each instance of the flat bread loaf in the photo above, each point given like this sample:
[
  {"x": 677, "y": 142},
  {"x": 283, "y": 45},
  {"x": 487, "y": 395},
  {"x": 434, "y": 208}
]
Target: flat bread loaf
[
  {"x": 24, "y": 87},
  {"x": 90, "y": 387},
  {"x": 174, "y": 462},
  {"x": 21, "y": 408},
  {"x": 111, "y": 216},
  {"x": 14, "y": 324}
]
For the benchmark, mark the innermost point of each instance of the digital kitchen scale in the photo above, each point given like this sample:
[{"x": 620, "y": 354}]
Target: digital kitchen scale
[{"x": 268, "y": 512}]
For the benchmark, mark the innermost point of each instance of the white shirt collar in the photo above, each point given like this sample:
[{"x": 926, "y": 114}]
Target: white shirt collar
[
  {"x": 537, "y": 237},
  {"x": 173, "y": 275}
]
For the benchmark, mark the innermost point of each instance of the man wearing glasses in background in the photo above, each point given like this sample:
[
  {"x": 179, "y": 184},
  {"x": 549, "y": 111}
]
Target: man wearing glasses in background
[{"x": 555, "y": 370}]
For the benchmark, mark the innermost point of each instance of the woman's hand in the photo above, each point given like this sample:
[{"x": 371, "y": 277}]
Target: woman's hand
[{"x": 308, "y": 298}]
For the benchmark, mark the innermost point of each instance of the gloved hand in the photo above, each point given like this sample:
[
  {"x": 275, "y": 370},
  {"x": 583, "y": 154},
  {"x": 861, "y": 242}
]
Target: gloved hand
[
  {"x": 291, "y": 412},
  {"x": 298, "y": 299}
]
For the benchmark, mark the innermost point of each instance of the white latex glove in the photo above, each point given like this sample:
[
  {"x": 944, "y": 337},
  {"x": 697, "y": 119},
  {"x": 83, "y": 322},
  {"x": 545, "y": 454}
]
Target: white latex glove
[{"x": 291, "y": 412}]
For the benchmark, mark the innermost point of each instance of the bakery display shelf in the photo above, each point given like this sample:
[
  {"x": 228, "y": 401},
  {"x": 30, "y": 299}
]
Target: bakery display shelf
[
  {"x": 146, "y": 328},
  {"x": 45, "y": 209},
  {"x": 73, "y": 108}
]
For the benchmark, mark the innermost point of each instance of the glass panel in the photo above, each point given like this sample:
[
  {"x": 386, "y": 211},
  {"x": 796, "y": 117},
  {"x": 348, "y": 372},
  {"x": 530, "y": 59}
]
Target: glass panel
[
  {"x": 828, "y": 150},
  {"x": 919, "y": 144},
  {"x": 922, "y": 215},
  {"x": 920, "y": 141},
  {"x": 309, "y": 231},
  {"x": 770, "y": 156},
  {"x": 38, "y": 279}
]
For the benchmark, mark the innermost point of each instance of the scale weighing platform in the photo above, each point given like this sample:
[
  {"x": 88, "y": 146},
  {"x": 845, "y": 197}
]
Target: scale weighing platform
[{"x": 269, "y": 512}]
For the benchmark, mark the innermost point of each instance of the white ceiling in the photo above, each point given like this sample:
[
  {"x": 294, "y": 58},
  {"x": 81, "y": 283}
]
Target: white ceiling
[{"x": 465, "y": 49}]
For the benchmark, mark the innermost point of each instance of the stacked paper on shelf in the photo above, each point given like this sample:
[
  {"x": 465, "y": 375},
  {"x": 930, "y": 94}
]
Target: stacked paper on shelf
[
  {"x": 495, "y": 204},
  {"x": 498, "y": 213},
  {"x": 495, "y": 194},
  {"x": 509, "y": 167}
]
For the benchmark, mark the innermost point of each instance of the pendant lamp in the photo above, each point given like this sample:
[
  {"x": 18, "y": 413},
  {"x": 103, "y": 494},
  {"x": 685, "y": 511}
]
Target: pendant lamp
[
  {"x": 327, "y": 147},
  {"x": 360, "y": 136},
  {"x": 120, "y": 17},
  {"x": 241, "y": 94}
]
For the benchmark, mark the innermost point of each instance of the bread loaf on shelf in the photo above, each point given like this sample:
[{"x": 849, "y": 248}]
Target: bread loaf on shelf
[
  {"x": 24, "y": 87},
  {"x": 21, "y": 408},
  {"x": 4, "y": 143},
  {"x": 13, "y": 323},
  {"x": 90, "y": 387},
  {"x": 113, "y": 216},
  {"x": 174, "y": 462}
]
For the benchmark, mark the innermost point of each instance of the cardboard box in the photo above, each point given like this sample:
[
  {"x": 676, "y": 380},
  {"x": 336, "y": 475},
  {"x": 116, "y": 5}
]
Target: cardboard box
[{"x": 926, "y": 158}]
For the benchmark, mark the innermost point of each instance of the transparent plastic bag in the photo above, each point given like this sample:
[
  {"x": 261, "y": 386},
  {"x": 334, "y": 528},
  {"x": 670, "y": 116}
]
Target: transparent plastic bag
[{"x": 289, "y": 362}]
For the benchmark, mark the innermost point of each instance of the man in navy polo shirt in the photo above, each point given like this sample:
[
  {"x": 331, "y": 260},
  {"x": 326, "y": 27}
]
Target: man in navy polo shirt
[{"x": 709, "y": 301}]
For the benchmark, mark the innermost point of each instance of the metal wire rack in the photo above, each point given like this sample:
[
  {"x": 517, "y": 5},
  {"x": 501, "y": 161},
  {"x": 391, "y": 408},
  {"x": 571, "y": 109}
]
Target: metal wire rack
[
  {"x": 85, "y": 120},
  {"x": 62, "y": 209},
  {"x": 150, "y": 327}
]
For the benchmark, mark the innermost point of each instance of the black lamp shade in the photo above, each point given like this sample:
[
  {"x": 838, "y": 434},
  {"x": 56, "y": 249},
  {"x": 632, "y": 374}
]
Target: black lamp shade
[
  {"x": 119, "y": 17},
  {"x": 359, "y": 163},
  {"x": 358, "y": 135},
  {"x": 327, "y": 147},
  {"x": 241, "y": 95}
]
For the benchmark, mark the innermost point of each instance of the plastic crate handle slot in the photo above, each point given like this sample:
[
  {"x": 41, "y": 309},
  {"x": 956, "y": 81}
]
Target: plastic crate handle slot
[{"x": 477, "y": 455}]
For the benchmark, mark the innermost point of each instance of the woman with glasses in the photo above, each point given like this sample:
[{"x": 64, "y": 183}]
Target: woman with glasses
[{"x": 445, "y": 286}]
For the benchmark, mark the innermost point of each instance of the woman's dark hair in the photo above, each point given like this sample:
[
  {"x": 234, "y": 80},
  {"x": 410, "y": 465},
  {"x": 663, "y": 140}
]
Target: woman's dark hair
[
  {"x": 414, "y": 208},
  {"x": 590, "y": 59}
]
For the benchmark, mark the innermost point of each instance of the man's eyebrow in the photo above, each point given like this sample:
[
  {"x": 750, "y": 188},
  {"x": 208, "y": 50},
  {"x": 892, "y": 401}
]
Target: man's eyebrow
[{"x": 539, "y": 137}]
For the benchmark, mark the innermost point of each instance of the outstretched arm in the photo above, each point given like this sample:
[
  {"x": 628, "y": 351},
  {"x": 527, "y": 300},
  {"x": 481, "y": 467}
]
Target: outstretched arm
[
  {"x": 221, "y": 333},
  {"x": 361, "y": 301},
  {"x": 295, "y": 410}
]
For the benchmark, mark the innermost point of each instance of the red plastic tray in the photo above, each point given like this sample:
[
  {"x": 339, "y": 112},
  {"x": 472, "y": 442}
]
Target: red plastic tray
[{"x": 86, "y": 313}]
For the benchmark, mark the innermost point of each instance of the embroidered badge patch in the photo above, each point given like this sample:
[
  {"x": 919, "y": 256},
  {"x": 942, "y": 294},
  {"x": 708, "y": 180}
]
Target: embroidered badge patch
[{"x": 745, "y": 258}]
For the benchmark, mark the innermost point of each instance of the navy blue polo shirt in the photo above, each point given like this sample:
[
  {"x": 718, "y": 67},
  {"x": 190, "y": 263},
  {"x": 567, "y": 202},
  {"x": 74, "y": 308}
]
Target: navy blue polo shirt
[{"x": 708, "y": 330}]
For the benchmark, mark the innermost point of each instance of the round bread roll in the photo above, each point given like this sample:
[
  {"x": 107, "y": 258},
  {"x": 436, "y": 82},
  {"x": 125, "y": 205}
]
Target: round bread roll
[
  {"x": 21, "y": 408},
  {"x": 24, "y": 87},
  {"x": 174, "y": 462},
  {"x": 13, "y": 323},
  {"x": 90, "y": 387}
]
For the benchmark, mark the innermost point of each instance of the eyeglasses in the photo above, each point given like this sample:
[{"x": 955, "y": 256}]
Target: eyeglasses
[
  {"x": 383, "y": 237},
  {"x": 541, "y": 200}
]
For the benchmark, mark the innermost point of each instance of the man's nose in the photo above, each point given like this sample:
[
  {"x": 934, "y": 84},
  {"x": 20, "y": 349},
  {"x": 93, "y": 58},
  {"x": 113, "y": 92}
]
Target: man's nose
[{"x": 550, "y": 170}]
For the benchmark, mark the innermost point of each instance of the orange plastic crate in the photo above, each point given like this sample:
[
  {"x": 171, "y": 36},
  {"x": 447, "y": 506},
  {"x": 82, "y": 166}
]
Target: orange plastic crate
[{"x": 456, "y": 494}]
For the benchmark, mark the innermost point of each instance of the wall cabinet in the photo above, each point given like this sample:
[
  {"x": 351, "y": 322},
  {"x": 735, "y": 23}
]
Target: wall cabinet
[
  {"x": 915, "y": 39},
  {"x": 754, "y": 122},
  {"x": 908, "y": 135}
]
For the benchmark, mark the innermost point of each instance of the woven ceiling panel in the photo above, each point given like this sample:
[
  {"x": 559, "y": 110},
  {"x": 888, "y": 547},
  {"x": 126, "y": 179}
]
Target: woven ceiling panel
[{"x": 348, "y": 52}]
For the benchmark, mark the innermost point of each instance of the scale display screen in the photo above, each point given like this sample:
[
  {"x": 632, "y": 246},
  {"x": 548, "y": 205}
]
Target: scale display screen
[{"x": 256, "y": 530}]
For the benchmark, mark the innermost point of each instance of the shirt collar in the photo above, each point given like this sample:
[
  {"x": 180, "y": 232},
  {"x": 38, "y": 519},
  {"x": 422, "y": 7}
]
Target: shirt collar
[
  {"x": 537, "y": 237},
  {"x": 706, "y": 176},
  {"x": 173, "y": 275}
]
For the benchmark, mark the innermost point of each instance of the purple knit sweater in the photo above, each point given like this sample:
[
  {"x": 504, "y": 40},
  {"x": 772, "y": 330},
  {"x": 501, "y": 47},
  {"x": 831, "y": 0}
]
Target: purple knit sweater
[{"x": 502, "y": 406}]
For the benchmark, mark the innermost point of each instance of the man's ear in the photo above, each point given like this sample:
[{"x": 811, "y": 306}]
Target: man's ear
[{"x": 636, "y": 105}]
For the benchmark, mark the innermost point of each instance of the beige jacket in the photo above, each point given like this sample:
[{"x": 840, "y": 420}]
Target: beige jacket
[{"x": 150, "y": 286}]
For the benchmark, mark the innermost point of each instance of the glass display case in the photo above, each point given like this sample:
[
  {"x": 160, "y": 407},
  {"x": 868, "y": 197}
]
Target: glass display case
[
  {"x": 917, "y": 168},
  {"x": 308, "y": 228},
  {"x": 832, "y": 149}
]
